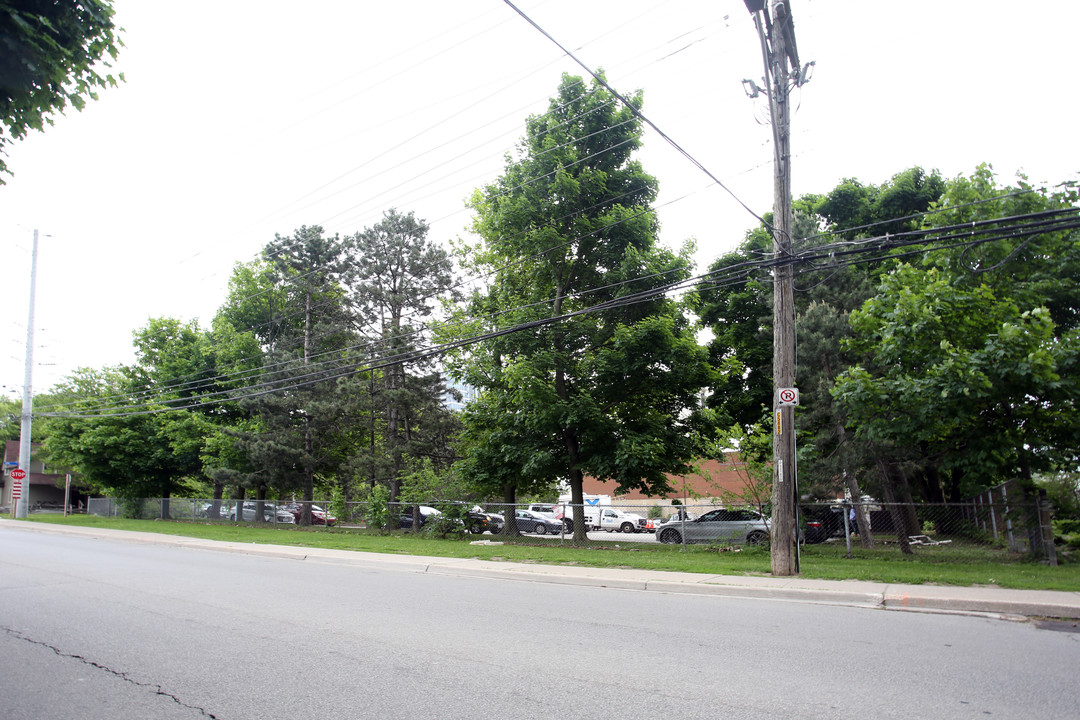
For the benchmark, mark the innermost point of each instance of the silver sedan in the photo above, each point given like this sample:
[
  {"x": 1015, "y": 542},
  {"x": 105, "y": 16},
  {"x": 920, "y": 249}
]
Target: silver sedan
[{"x": 717, "y": 526}]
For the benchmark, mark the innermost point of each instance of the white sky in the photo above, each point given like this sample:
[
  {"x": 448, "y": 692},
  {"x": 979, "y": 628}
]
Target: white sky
[{"x": 242, "y": 119}]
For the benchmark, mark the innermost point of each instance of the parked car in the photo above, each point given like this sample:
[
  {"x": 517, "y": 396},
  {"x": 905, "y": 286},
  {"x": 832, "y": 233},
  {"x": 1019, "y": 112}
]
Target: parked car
[
  {"x": 678, "y": 517},
  {"x": 427, "y": 513},
  {"x": 206, "y": 510},
  {"x": 318, "y": 515},
  {"x": 478, "y": 521},
  {"x": 530, "y": 522},
  {"x": 545, "y": 509},
  {"x": 271, "y": 513},
  {"x": 822, "y": 523},
  {"x": 718, "y": 526}
]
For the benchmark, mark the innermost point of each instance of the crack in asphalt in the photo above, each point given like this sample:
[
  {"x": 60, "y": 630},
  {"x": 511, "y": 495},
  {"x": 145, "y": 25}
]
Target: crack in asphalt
[{"x": 157, "y": 689}]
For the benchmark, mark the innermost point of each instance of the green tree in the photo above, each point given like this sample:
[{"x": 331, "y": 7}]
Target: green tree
[
  {"x": 10, "y": 419},
  {"x": 307, "y": 400},
  {"x": 739, "y": 313},
  {"x": 51, "y": 51},
  {"x": 195, "y": 371},
  {"x": 569, "y": 227},
  {"x": 148, "y": 453},
  {"x": 504, "y": 455},
  {"x": 962, "y": 374},
  {"x": 398, "y": 276}
]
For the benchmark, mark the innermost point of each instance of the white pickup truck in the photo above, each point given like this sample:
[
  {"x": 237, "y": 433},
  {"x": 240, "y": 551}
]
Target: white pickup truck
[{"x": 599, "y": 515}]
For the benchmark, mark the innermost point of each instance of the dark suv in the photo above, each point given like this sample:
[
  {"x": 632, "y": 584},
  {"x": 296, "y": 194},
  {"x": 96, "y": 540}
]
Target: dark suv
[{"x": 822, "y": 522}]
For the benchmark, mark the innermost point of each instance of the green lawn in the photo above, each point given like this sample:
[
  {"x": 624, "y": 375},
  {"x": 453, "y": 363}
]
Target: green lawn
[{"x": 944, "y": 565}]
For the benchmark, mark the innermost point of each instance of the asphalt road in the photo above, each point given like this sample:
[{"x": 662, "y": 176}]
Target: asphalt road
[{"x": 107, "y": 629}]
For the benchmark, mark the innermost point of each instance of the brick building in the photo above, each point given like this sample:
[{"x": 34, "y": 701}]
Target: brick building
[{"x": 716, "y": 482}]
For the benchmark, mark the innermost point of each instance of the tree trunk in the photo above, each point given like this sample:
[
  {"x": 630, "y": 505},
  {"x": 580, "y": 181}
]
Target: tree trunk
[
  {"x": 238, "y": 511},
  {"x": 577, "y": 493},
  {"x": 260, "y": 504},
  {"x": 895, "y": 513},
  {"x": 911, "y": 518},
  {"x": 215, "y": 506},
  {"x": 510, "y": 527},
  {"x": 371, "y": 428},
  {"x": 862, "y": 515},
  {"x": 573, "y": 450},
  {"x": 934, "y": 483},
  {"x": 309, "y": 474}
]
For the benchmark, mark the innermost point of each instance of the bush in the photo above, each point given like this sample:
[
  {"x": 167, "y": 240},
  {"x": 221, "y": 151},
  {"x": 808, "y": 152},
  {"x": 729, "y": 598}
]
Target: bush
[
  {"x": 378, "y": 512},
  {"x": 132, "y": 508},
  {"x": 1067, "y": 527},
  {"x": 1067, "y": 533},
  {"x": 451, "y": 521}
]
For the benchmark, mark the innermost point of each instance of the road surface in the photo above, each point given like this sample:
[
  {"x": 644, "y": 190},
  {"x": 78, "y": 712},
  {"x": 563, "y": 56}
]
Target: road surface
[{"x": 109, "y": 629}]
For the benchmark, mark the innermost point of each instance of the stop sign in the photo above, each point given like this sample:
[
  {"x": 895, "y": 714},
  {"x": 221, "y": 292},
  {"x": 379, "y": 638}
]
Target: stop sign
[{"x": 18, "y": 474}]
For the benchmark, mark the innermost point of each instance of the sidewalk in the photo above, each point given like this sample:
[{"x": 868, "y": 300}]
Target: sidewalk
[{"x": 887, "y": 596}]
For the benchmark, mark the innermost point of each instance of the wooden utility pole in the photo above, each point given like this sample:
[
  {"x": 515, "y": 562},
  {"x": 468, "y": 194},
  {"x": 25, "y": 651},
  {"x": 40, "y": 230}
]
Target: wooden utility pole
[{"x": 782, "y": 72}]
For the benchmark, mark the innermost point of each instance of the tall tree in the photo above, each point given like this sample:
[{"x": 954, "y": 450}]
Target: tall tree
[
  {"x": 399, "y": 277},
  {"x": 51, "y": 52},
  {"x": 567, "y": 229},
  {"x": 307, "y": 397}
]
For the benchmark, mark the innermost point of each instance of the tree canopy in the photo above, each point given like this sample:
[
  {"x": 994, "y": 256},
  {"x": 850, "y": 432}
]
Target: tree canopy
[{"x": 51, "y": 55}]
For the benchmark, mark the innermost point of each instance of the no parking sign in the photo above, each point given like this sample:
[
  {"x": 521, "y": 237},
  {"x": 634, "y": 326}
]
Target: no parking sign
[{"x": 787, "y": 397}]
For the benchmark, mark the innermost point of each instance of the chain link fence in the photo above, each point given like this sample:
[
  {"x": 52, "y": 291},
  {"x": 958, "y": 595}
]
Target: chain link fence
[
  {"x": 981, "y": 528},
  {"x": 984, "y": 528},
  {"x": 210, "y": 510}
]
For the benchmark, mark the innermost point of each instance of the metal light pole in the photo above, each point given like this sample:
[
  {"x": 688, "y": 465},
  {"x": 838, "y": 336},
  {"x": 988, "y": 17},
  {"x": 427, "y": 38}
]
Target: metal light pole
[
  {"x": 23, "y": 503},
  {"x": 782, "y": 72}
]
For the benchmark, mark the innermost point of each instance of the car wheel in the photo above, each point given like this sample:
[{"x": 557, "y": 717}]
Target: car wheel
[
  {"x": 627, "y": 527},
  {"x": 569, "y": 527},
  {"x": 541, "y": 529},
  {"x": 757, "y": 538},
  {"x": 670, "y": 537}
]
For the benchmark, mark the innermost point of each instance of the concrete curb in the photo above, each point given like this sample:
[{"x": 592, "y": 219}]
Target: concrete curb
[{"x": 853, "y": 593}]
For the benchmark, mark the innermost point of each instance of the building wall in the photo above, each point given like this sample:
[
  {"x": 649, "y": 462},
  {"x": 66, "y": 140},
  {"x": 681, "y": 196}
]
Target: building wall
[{"x": 717, "y": 482}]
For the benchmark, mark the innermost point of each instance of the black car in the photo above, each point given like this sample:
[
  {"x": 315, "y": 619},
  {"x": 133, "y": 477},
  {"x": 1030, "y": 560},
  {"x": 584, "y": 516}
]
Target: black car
[
  {"x": 821, "y": 523},
  {"x": 478, "y": 521}
]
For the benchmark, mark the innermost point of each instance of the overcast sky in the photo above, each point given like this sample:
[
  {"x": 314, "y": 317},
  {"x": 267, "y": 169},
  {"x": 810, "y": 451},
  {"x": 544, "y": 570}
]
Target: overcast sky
[{"x": 242, "y": 119}]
